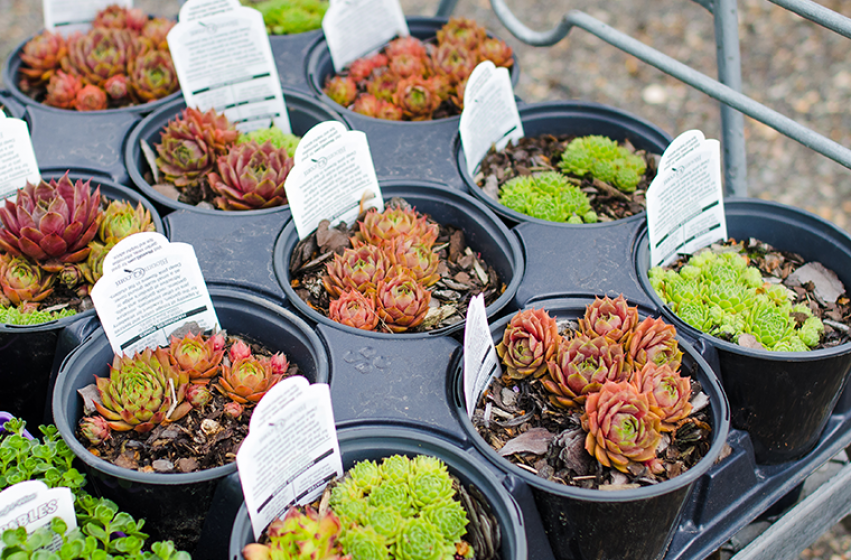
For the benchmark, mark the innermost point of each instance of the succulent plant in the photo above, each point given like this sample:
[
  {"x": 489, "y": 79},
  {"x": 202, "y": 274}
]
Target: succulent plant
[
  {"x": 247, "y": 380},
  {"x": 71, "y": 275},
  {"x": 668, "y": 393},
  {"x": 367, "y": 104},
  {"x": 62, "y": 90},
  {"x": 417, "y": 258},
  {"x": 405, "y": 45},
  {"x": 23, "y": 281},
  {"x": 251, "y": 177},
  {"x": 653, "y": 341},
  {"x": 622, "y": 430},
  {"x": 233, "y": 410},
  {"x": 52, "y": 223},
  {"x": 342, "y": 90},
  {"x": 191, "y": 143},
  {"x": 581, "y": 366},
  {"x": 461, "y": 31},
  {"x": 279, "y": 364},
  {"x": 117, "y": 89},
  {"x": 605, "y": 160},
  {"x": 92, "y": 268},
  {"x": 612, "y": 318},
  {"x": 407, "y": 65},
  {"x": 455, "y": 61},
  {"x": 388, "y": 111},
  {"x": 361, "y": 269},
  {"x": 152, "y": 76},
  {"x": 197, "y": 356},
  {"x": 530, "y": 340},
  {"x": 547, "y": 196},
  {"x": 99, "y": 54},
  {"x": 273, "y": 134},
  {"x": 41, "y": 57},
  {"x": 383, "y": 84},
  {"x": 121, "y": 219},
  {"x": 25, "y": 315},
  {"x": 90, "y": 98},
  {"x": 118, "y": 17},
  {"x": 95, "y": 429},
  {"x": 769, "y": 323},
  {"x": 156, "y": 31},
  {"x": 198, "y": 395},
  {"x": 288, "y": 17},
  {"x": 380, "y": 228},
  {"x": 416, "y": 99},
  {"x": 354, "y": 309},
  {"x": 238, "y": 351},
  {"x": 401, "y": 302},
  {"x": 141, "y": 390},
  {"x": 361, "y": 68},
  {"x": 300, "y": 535},
  {"x": 497, "y": 51}
]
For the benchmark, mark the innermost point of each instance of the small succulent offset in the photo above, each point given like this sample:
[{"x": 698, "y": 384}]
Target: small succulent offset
[
  {"x": 251, "y": 177},
  {"x": 530, "y": 340},
  {"x": 722, "y": 295},
  {"x": 288, "y": 17},
  {"x": 548, "y": 196},
  {"x": 300, "y": 535},
  {"x": 603, "y": 159}
]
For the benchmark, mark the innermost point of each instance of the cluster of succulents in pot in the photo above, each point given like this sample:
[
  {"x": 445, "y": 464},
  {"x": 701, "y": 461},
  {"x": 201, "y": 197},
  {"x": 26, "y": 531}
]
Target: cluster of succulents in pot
[
  {"x": 122, "y": 60},
  {"x": 622, "y": 374},
  {"x": 414, "y": 80},
  {"x": 402, "y": 508},
  {"x": 203, "y": 154},
  {"x": 53, "y": 242},
  {"x": 721, "y": 294},
  {"x": 290, "y": 17}
]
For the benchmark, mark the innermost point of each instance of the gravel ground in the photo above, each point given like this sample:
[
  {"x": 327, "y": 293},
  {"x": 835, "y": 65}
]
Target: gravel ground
[{"x": 790, "y": 64}]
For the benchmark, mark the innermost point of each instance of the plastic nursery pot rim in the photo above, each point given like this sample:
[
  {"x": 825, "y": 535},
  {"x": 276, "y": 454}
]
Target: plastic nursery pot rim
[
  {"x": 134, "y": 158},
  {"x": 641, "y": 253},
  {"x": 288, "y": 238},
  {"x": 605, "y": 115},
  {"x": 720, "y": 419},
  {"x": 10, "y": 78},
  {"x": 171, "y": 479},
  {"x": 422, "y": 28}
]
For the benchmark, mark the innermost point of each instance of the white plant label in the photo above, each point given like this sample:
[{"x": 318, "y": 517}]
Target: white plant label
[
  {"x": 685, "y": 202},
  {"x": 143, "y": 244},
  {"x": 354, "y": 28},
  {"x": 291, "y": 452},
  {"x": 17, "y": 158},
  {"x": 490, "y": 115},
  {"x": 331, "y": 182},
  {"x": 146, "y": 299},
  {"x": 481, "y": 362},
  {"x": 224, "y": 62},
  {"x": 66, "y": 16},
  {"x": 33, "y": 505},
  {"x": 199, "y": 9}
]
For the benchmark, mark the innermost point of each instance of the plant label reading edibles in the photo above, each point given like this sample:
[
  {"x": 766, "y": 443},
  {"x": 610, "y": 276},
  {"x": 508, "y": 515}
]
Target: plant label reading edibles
[
  {"x": 66, "y": 16},
  {"x": 481, "y": 362},
  {"x": 354, "y": 28},
  {"x": 33, "y": 505},
  {"x": 224, "y": 62},
  {"x": 17, "y": 158},
  {"x": 685, "y": 202},
  {"x": 490, "y": 114},
  {"x": 147, "y": 298},
  {"x": 335, "y": 182},
  {"x": 291, "y": 452},
  {"x": 199, "y": 9}
]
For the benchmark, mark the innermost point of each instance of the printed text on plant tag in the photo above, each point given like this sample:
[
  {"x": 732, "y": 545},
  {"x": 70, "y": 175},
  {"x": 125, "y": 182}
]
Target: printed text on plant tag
[
  {"x": 357, "y": 27},
  {"x": 17, "y": 158},
  {"x": 481, "y": 362}
]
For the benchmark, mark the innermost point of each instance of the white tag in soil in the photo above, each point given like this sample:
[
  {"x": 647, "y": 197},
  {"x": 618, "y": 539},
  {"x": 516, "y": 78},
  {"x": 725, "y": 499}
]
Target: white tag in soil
[
  {"x": 199, "y": 9},
  {"x": 224, "y": 62},
  {"x": 291, "y": 452},
  {"x": 17, "y": 158},
  {"x": 66, "y": 16},
  {"x": 355, "y": 28},
  {"x": 490, "y": 114},
  {"x": 146, "y": 299},
  {"x": 481, "y": 362},
  {"x": 33, "y": 505},
  {"x": 685, "y": 202},
  {"x": 331, "y": 182}
]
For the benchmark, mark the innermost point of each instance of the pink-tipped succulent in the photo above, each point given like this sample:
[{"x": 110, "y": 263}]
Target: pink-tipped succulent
[
  {"x": 95, "y": 429},
  {"x": 52, "y": 223},
  {"x": 62, "y": 90},
  {"x": 497, "y": 51},
  {"x": 455, "y": 62},
  {"x": 354, "y": 309},
  {"x": 402, "y": 303},
  {"x": 653, "y": 341},
  {"x": 668, "y": 393},
  {"x": 23, "y": 281},
  {"x": 360, "y": 268},
  {"x": 461, "y": 31},
  {"x": 416, "y": 257},
  {"x": 622, "y": 430},
  {"x": 117, "y": 89},
  {"x": 303, "y": 536},
  {"x": 388, "y": 111},
  {"x": 99, "y": 54},
  {"x": 71, "y": 275},
  {"x": 609, "y": 317},
  {"x": 121, "y": 219},
  {"x": 279, "y": 364},
  {"x": 233, "y": 409},
  {"x": 405, "y": 45},
  {"x": 367, "y": 104},
  {"x": 581, "y": 366},
  {"x": 156, "y": 30},
  {"x": 41, "y": 57},
  {"x": 198, "y": 396},
  {"x": 406, "y": 65},
  {"x": 380, "y": 228},
  {"x": 118, "y": 17},
  {"x": 152, "y": 76},
  {"x": 342, "y": 89},
  {"x": 251, "y": 177},
  {"x": 197, "y": 356},
  {"x": 361, "y": 68},
  {"x": 247, "y": 380},
  {"x": 239, "y": 351},
  {"x": 382, "y": 84},
  {"x": 91, "y": 98},
  {"x": 416, "y": 98},
  {"x": 530, "y": 340}
]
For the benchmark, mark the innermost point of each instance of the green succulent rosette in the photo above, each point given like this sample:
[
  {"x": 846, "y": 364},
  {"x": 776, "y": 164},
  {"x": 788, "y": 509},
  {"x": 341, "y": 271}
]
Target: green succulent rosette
[
  {"x": 603, "y": 159},
  {"x": 547, "y": 196}
]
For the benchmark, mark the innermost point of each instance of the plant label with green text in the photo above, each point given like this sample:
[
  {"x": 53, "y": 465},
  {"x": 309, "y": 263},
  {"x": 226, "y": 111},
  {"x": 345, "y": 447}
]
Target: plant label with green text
[
  {"x": 355, "y": 28},
  {"x": 481, "y": 362},
  {"x": 333, "y": 178},
  {"x": 200, "y": 9},
  {"x": 17, "y": 158},
  {"x": 685, "y": 201},
  {"x": 224, "y": 62},
  {"x": 149, "y": 289},
  {"x": 291, "y": 452},
  {"x": 66, "y": 16},
  {"x": 32, "y": 505}
]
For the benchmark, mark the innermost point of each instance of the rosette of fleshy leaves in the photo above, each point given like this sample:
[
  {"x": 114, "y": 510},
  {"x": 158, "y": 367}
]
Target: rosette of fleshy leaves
[
  {"x": 41, "y": 57},
  {"x": 152, "y": 76},
  {"x": 380, "y": 228},
  {"x": 354, "y": 309},
  {"x": 603, "y": 159},
  {"x": 121, "y": 219},
  {"x": 529, "y": 341},
  {"x": 547, "y": 196},
  {"x": 23, "y": 282},
  {"x": 273, "y": 134},
  {"x": 289, "y": 17},
  {"x": 360, "y": 268},
  {"x": 668, "y": 393},
  {"x": 581, "y": 366},
  {"x": 251, "y": 176},
  {"x": 199, "y": 356},
  {"x": 247, "y": 379},
  {"x": 653, "y": 341},
  {"x": 612, "y": 318},
  {"x": 300, "y": 535},
  {"x": 401, "y": 300}
]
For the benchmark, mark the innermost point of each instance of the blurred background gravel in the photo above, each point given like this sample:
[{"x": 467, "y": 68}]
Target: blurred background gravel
[{"x": 789, "y": 64}]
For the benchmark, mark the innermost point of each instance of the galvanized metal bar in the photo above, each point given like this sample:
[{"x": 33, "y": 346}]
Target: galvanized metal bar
[
  {"x": 682, "y": 72},
  {"x": 818, "y": 14},
  {"x": 446, "y": 8},
  {"x": 726, "y": 16}
]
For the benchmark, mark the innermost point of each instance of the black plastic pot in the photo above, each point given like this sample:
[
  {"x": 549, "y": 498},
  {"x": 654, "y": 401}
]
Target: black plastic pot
[
  {"x": 11, "y": 106},
  {"x": 176, "y": 504},
  {"x": 5, "y": 417},
  {"x": 27, "y": 352},
  {"x": 400, "y": 149},
  {"x": 483, "y": 232},
  {"x": 291, "y": 53},
  {"x": 377, "y": 442},
  {"x": 782, "y": 399},
  {"x": 581, "y": 523},
  {"x": 304, "y": 112}
]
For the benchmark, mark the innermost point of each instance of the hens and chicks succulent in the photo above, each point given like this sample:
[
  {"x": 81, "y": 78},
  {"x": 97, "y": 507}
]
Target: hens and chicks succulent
[
  {"x": 123, "y": 60},
  {"x": 289, "y": 17},
  {"x": 722, "y": 295},
  {"x": 621, "y": 372},
  {"x": 57, "y": 234},
  {"x": 412, "y": 80},
  {"x": 244, "y": 171},
  {"x": 404, "y": 509}
]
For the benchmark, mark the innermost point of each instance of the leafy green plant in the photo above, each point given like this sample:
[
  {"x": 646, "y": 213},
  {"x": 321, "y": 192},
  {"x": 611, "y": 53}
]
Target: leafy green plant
[
  {"x": 288, "y": 17},
  {"x": 21, "y": 316},
  {"x": 273, "y": 134},
  {"x": 603, "y": 159},
  {"x": 548, "y": 196}
]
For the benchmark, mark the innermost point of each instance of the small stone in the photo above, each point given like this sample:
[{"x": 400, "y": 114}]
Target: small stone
[
  {"x": 210, "y": 427},
  {"x": 750, "y": 341},
  {"x": 655, "y": 94},
  {"x": 126, "y": 460},
  {"x": 167, "y": 190},
  {"x": 187, "y": 464},
  {"x": 163, "y": 465}
]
